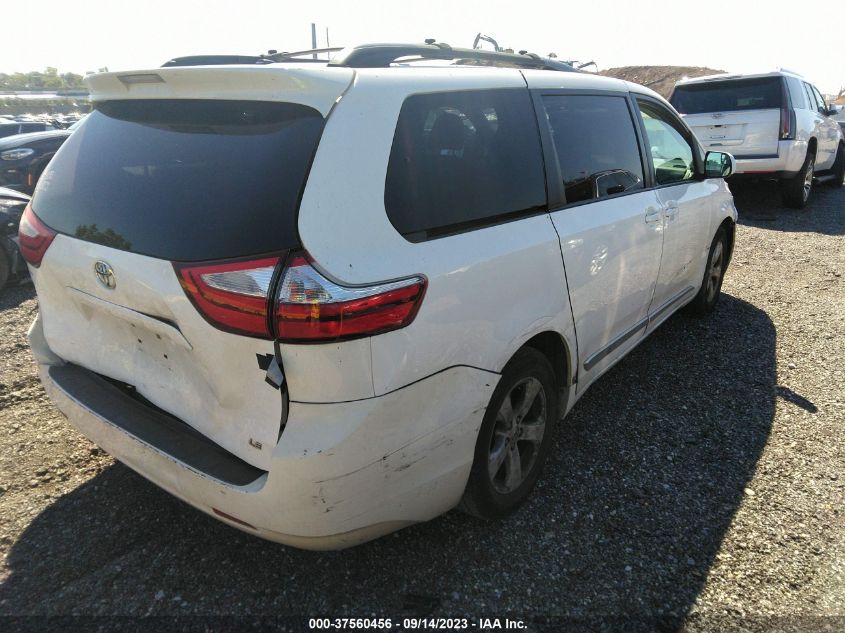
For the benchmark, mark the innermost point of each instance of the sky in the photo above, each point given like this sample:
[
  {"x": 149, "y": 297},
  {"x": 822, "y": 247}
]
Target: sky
[{"x": 736, "y": 36}]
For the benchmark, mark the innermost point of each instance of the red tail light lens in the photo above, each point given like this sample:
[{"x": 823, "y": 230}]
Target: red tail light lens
[
  {"x": 233, "y": 296},
  {"x": 34, "y": 237},
  {"x": 787, "y": 124},
  {"x": 312, "y": 308}
]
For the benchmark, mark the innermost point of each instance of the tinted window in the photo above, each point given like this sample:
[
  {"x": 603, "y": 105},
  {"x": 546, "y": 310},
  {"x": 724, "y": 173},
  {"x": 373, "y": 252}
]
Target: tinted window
[
  {"x": 727, "y": 96},
  {"x": 811, "y": 96},
  {"x": 9, "y": 129},
  {"x": 596, "y": 146},
  {"x": 183, "y": 179},
  {"x": 461, "y": 159},
  {"x": 819, "y": 100},
  {"x": 671, "y": 153},
  {"x": 33, "y": 127}
]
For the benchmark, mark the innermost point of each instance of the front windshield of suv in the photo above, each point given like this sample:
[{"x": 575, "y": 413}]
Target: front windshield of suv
[{"x": 727, "y": 96}]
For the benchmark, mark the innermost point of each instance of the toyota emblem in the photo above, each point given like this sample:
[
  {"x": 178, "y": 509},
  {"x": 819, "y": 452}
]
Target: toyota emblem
[{"x": 105, "y": 274}]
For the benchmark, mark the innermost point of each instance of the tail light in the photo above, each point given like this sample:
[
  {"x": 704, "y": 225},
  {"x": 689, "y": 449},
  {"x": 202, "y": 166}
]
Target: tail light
[
  {"x": 312, "y": 308},
  {"x": 308, "y": 307},
  {"x": 34, "y": 237},
  {"x": 787, "y": 124},
  {"x": 233, "y": 296},
  {"x": 787, "y": 116}
]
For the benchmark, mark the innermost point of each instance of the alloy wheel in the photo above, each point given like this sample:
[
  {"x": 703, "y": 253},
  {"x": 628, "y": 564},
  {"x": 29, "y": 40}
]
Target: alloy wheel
[{"x": 517, "y": 435}]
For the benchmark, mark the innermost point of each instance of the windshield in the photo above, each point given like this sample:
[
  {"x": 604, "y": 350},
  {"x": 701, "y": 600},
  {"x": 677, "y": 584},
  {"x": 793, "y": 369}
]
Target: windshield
[
  {"x": 184, "y": 180},
  {"x": 727, "y": 96}
]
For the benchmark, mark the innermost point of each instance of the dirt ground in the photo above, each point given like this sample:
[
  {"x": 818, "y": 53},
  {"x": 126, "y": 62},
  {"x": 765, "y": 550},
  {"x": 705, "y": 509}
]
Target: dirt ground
[{"x": 699, "y": 485}]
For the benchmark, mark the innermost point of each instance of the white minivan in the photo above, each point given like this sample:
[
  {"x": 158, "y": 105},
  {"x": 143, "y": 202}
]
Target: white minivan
[
  {"x": 323, "y": 301},
  {"x": 775, "y": 124}
]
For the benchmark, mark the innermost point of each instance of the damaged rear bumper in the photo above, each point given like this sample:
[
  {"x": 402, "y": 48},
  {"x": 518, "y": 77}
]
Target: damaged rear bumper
[{"x": 341, "y": 474}]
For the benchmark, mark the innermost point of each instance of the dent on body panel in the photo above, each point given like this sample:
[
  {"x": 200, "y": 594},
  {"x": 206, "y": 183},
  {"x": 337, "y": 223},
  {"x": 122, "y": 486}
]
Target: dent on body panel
[{"x": 604, "y": 263}]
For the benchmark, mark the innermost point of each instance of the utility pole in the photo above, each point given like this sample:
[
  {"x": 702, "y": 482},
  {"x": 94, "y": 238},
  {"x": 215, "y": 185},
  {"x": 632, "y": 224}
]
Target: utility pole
[{"x": 314, "y": 39}]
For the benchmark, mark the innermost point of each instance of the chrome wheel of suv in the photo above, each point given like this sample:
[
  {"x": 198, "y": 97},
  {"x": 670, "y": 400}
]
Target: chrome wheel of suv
[{"x": 808, "y": 178}]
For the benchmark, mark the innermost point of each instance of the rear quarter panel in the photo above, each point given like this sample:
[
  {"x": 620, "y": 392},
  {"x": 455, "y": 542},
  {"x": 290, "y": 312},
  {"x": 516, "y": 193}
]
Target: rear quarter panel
[{"x": 488, "y": 290}]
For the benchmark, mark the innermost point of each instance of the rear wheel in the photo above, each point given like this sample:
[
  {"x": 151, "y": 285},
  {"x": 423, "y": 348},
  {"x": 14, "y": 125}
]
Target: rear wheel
[
  {"x": 514, "y": 438},
  {"x": 5, "y": 268},
  {"x": 796, "y": 191},
  {"x": 711, "y": 285}
]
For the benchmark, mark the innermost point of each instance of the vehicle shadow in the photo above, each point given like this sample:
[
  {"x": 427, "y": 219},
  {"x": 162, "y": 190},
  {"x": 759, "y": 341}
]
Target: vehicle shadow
[
  {"x": 759, "y": 204},
  {"x": 641, "y": 486},
  {"x": 15, "y": 293}
]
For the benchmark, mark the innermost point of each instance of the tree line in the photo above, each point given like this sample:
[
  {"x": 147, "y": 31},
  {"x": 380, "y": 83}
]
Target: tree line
[{"x": 48, "y": 79}]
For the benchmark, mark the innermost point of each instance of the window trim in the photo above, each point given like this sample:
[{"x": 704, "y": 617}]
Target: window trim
[
  {"x": 467, "y": 226},
  {"x": 684, "y": 131},
  {"x": 554, "y": 178}
]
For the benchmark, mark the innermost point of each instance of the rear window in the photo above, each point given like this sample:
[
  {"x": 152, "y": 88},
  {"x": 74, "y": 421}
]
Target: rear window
[
  {"x": 462, "y": 160},
  {"x": 728, "y": 96},
  {"x": 184, "y": 180}
]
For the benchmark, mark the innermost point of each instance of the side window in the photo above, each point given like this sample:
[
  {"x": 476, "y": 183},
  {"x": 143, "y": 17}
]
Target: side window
[
  {"x": 463, "y": 159},
  {"x": 596, "y": 145},
  {"x": 819, "y": 100},
  {"x": 32, "y": 127},
  {"x": 670, "y": 151},
  {"x": 815, "y": 101},
  {"x": 797, "y": 93}
]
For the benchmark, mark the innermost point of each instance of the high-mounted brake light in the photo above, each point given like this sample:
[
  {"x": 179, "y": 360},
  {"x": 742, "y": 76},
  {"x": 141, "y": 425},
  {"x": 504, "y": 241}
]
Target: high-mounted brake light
[
  {"x": 34, "y": 237},
  {"x": 312, "y": 308},
  {"x": 232, "y": 296}
]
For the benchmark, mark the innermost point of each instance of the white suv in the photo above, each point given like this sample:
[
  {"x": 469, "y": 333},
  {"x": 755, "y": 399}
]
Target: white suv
[
  {"x": 775, "y": 124},
  {"x": 321, "y": 301}
]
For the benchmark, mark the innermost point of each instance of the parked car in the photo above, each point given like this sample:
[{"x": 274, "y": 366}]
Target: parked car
[
  {"x": 23, "y": 157},
  {"x": 775, "y": 124},
  {"x": 383, "y": 307},
  {"x": 10, "y": 128},
  {"x": 12, "y": 205}
]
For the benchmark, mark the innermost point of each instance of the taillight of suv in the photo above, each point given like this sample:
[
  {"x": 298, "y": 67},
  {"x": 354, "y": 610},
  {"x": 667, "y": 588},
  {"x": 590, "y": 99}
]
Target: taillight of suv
[
  {"x": 787, "y": 116},
  {"x": 34, "y": 237},
  {"x": 304, "y": 307}
]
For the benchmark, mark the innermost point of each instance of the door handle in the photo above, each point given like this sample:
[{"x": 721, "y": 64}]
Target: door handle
[
  {"x": 653, "y": 214},
  {"x": 671, "y": 210}
]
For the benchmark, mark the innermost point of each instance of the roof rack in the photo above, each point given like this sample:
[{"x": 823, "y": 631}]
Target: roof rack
[{"x": 383, "y": 55}]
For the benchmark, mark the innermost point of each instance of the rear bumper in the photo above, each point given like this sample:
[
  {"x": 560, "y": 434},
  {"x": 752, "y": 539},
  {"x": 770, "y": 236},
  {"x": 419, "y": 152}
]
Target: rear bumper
[
  {"x": 785, "y": 164},
  {"x": 342, "y": 473}
]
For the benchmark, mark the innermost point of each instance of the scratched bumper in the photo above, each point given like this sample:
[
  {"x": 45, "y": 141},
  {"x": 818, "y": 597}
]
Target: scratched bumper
[{"x": 341, "y": 473}]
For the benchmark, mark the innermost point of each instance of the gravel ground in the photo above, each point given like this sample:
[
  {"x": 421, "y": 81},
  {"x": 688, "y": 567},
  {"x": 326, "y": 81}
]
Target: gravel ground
[{"x": 698, "y": 486}]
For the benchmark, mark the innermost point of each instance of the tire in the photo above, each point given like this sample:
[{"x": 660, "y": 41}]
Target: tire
[
  {"x": 839, "y": 168},
  {"x": 5, "y": 267},
  {"x": 517, "y": 438},
  {"x": 711, "y": 285},
  {"x": 795, "y": 192}
]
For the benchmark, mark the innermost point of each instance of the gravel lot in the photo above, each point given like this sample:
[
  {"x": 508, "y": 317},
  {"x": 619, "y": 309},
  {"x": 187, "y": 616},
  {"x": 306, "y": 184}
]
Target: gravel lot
[{"x": 698, "y": 485}]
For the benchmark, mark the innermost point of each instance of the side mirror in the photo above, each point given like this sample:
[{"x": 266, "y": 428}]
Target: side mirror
[
  {"x": 832, "y": 109},
  {"x": 719, "y": 165}
]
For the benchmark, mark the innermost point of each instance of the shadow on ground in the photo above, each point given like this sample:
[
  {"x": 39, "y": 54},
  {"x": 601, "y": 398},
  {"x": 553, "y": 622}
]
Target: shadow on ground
[
  {"x": 15, "y": 293},
  {"x": 759, "y": 204},
  {"x": 646, "y": 474}
]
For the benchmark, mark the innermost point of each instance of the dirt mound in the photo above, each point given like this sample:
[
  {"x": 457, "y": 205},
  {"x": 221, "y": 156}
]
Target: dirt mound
[{"x": 661, "y": 79}]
